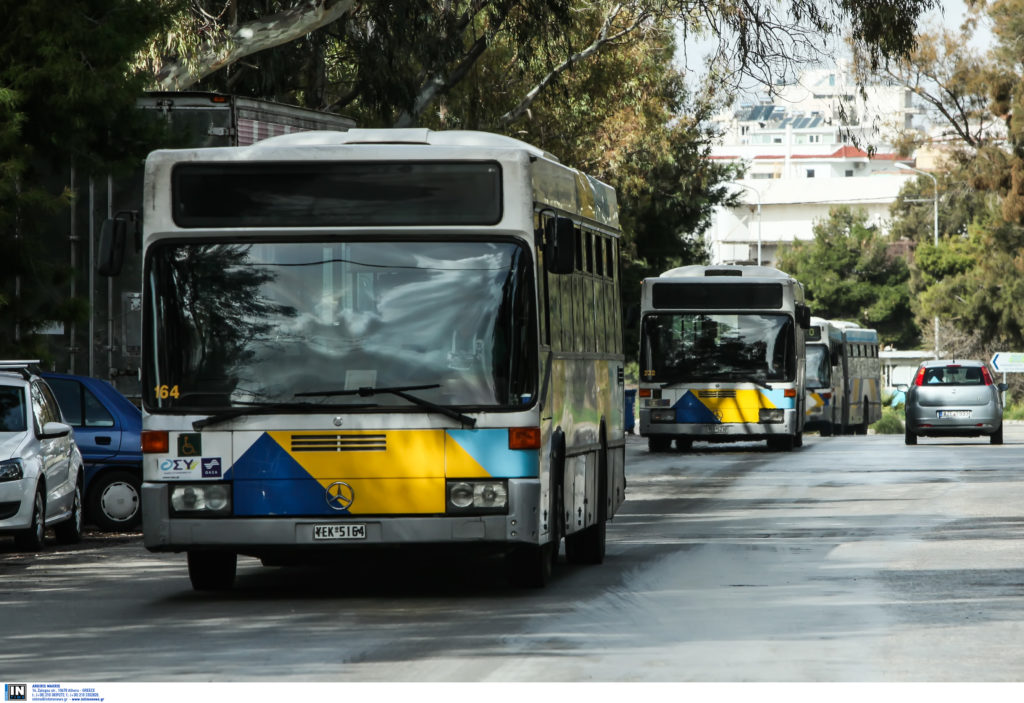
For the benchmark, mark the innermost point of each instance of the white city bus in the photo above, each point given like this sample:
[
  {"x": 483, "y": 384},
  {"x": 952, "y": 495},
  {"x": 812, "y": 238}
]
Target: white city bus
[
  {"x": 844, "y": 377},
  {"x": 379, "y": 338},
  {"x": 857, "y": 378},
  {"x": 819, "y": 408},
  {"x": 722, "y": 357}
]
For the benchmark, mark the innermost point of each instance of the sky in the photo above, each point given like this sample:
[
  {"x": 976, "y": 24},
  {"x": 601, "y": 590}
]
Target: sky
[{"x": 692, "y": 53}]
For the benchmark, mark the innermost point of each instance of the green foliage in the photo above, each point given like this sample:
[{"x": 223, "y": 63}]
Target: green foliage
[
  {"x": 891, "y": 422},
  {"x": 65, "y": 98},
  {"x": 849, "y": 274}
]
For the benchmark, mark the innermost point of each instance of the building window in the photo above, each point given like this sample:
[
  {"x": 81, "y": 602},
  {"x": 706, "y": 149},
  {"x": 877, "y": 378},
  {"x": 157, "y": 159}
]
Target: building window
[
  {"x": 849, "y": 173},
  {"x": 810, "y": 173}
]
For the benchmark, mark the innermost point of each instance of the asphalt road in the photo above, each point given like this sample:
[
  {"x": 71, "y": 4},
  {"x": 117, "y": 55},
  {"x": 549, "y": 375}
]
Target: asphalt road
[{"x": 851, "y": 559}]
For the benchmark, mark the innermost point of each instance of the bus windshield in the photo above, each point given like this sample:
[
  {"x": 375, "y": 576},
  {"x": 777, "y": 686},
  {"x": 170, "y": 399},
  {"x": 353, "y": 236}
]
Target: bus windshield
[
  {"x": 244, "y": 323},
  {"x": 677, "y": 347},
  {"x": 819, "y": 366}
]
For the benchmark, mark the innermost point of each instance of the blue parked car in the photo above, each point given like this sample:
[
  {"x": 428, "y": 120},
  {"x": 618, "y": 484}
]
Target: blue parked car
[{"x": 108, "y": 430}]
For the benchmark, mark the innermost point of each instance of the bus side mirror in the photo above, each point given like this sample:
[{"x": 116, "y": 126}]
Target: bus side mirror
[
  {"x": 803, "y": 316},
  {"x": 113, "y": 234},
  {"x": 114, "y": 238},
  {"x": 560, "y": 245}
]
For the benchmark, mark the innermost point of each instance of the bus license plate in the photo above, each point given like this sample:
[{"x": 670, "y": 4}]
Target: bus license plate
[
  {"x": 955, "y": 413},
  {"x": 347, "y": 531}
]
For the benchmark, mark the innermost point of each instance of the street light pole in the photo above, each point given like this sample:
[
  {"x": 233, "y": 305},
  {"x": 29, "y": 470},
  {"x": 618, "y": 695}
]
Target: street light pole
[
  {"x": 758, "y": 196},
  {"x": 935, "y": 232}
]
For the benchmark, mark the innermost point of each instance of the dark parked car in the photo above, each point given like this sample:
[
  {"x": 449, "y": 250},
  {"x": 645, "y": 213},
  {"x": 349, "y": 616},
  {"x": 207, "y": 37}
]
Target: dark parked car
[
  {"x": 108, "y": 430},
  {"x": 954, "y": 399}
]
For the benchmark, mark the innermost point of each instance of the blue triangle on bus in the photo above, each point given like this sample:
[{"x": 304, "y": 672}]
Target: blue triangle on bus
[{"x": 690, "y": 409}]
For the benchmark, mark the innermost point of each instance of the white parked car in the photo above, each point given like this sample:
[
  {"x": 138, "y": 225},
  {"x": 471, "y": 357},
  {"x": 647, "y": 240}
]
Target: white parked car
[{"x": 41, "y": 470}]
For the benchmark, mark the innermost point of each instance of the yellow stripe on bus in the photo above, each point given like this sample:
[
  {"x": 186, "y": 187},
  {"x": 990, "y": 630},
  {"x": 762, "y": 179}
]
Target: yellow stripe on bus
[{"x": 741, "y": 405}]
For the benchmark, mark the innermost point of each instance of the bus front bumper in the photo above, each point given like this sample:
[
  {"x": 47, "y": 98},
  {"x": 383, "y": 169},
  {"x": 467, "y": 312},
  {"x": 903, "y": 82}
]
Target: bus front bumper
[{"x": 256, "y": 535}]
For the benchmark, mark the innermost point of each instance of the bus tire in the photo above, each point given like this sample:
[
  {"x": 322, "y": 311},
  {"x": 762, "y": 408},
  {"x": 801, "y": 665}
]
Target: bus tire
[
  {"x": 586, "y": 546},
  {"x": 530, "y": 565},
  {"x": 212, "y": 570},
  {"x": 781, "y": 443},
  {"x": 909, "y": 438},
  {"x": 862, "y": 428},
  {"x": 658, "y": 444},
  {"x": 826, "y": 430}
]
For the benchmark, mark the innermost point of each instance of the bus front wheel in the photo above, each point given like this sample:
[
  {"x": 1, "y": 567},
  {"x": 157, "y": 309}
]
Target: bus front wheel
[
  {"x": 531, "y": 565},
  {"x": 659, "y": 444},
  {"x": 212, "y": 570}
]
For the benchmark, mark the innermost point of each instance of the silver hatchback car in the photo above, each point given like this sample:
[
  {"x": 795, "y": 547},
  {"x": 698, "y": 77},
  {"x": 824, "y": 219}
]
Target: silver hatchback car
[{"x": 954, "y": 398}]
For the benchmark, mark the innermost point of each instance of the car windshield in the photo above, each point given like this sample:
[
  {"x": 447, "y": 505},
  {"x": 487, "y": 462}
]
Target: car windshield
[
  {"x": 12, "y": 409},
  {"x": 953, "y": 375},
  {"x": 237, "y": 324}
]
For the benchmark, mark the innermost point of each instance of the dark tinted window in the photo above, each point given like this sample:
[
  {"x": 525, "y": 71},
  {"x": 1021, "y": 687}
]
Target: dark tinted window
[
  {"x": 337, "y": 193},
  {"x": 12, "y": 409},
  {"x": 80, "y": 406},
  {"x": 953, "y": 376},
  {"x": 722, "y": 296}
]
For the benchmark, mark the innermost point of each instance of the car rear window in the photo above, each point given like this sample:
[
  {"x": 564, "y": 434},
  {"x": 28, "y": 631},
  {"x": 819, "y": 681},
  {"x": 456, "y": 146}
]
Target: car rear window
[{"x": 953, "y": 376}]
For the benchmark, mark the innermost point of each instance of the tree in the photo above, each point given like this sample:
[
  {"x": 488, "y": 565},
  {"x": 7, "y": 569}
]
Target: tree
[
  {"x": 405, "y": 55},
  {"x": 849, "y": 274},
  {"x": 64, "y": 98}
]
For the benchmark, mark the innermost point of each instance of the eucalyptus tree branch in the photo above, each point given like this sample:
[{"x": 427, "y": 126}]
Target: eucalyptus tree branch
[{"x": 250, "y": 38}]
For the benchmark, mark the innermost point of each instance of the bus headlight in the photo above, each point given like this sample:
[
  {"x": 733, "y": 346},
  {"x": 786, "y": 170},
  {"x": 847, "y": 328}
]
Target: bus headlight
[
  {"x": 477, "y": 497},
  {"x": 771, "y": 416},
  {"x": 204, "y": 498}
]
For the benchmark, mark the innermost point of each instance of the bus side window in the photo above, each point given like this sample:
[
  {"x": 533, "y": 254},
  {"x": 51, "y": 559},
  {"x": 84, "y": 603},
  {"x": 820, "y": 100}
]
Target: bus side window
[
  {"x": 565, "y": 287},
  {"x": 543, "y": 295}
]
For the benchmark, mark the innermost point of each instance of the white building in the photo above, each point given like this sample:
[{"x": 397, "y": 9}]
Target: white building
[{"x": 804, "y": 156}]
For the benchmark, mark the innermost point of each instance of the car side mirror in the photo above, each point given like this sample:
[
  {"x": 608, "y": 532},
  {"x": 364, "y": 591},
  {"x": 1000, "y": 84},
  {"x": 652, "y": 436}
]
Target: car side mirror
[
  {"x": 1003, "y": 387},
  {"x": 53, "y": 430}
]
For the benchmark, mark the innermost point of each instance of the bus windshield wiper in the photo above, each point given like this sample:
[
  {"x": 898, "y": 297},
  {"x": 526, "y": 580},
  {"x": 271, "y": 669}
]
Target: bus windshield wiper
[
  {"x": 401, "y": 392},
  {"x": 264, "y": 409}
]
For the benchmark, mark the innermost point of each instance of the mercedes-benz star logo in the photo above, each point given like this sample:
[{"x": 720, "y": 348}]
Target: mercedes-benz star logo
[{"x": 340, "y": 495}]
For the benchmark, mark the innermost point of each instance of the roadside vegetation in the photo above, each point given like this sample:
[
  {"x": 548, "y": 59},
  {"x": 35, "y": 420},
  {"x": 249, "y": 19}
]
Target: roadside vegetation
[{"x": 598, "y": 84}]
